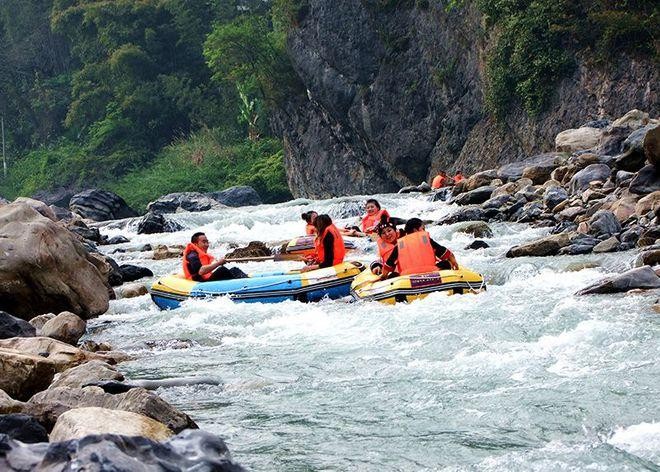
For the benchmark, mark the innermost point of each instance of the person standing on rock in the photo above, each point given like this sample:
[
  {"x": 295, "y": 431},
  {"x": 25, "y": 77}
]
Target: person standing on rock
[
  {"x": 329, "y": 244},
  {"x": 417, "y": 253},
  {"x": 200, "y": 266}
]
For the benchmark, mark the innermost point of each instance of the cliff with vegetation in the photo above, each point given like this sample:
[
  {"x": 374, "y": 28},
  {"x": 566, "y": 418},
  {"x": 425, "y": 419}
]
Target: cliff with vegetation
[
  {"x": 397, "y": 90},
  {"x": 312, "y": 98}
]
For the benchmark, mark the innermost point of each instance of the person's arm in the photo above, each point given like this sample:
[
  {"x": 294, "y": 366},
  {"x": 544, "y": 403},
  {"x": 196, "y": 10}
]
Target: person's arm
[
  {"x": 390, "y": 263},
  {"x": 205, "y": 269},
  {"x": 444, "y": 254},
  {"x": 194, "y": 264}
]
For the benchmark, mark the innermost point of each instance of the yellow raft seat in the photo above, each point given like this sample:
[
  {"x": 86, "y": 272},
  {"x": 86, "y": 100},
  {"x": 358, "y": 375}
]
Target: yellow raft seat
[{"x": 407, "y": 288}]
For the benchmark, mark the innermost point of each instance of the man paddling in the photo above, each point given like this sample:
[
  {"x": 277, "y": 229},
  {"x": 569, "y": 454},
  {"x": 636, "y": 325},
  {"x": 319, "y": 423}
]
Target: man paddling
[{"x": 200, "y": 266}]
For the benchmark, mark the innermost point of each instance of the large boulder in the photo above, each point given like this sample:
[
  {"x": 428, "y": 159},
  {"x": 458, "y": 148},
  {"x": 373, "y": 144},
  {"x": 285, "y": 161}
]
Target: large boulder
[
  {"x": 633, "y": 120},
  {"x": 8, "y": 404},
  {"x": 65, "y": 327},
  {"x": 579, "y": 139},
  {"x": 604, "y": 223},
  {"x": 580, "y": 181},
  {"x": 547, "y": 246},
  {"x": 553, "y": 196},
  {"x": 92, "y": 371},
  {"x": 63, "y": 356},
  {"x": 132, "y": 290},
  {"x": 480, "y": 179},
  {"x": 538, "y": 166},
  {"x": 651, "y": 202},
  {"x": 633, "y": 155},
  {"x": 44, "y": 267},
  {"x": 191, "y": 450},
  {"x": 22, "y": 428},
  {"x": 237, "y": 196},
  {"x": 58, "y": 196},
  {"x": 48, "y": 405},
  {"x": 153, "y": 223},
  {"x": 41, "y": 207},
  {"x": 476, "y": 196},
  {"x": 187, "y": 201},
  {"x": 639, "y": 278},
  {"x": 10, "y": 327},
  {"x": 100, "y": 205},
  {"x": 646, "y": 181},
  {"x": 652, "y": 145},
  {"x": 81, "y": 422},
  {"x": 24, "y": 374},
  {"x": 253, "y": 249}
]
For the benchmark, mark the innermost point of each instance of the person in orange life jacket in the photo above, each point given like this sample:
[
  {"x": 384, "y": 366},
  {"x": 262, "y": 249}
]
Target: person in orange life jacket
[
  {"x": 200, "y": 266},
  {"x": 310, "y": 218},
  {"x": 374, "y": 216},
  {"x": 417, "y": 253},
  {"x": 329, "y": 245},
  {"x": 388, "y": 235},
  {"x": 458, "y": 177},
  {"x": 440, "y": 180}
]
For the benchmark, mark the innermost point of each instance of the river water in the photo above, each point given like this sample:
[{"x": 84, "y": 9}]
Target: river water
[{"x": 525, "y": 376}]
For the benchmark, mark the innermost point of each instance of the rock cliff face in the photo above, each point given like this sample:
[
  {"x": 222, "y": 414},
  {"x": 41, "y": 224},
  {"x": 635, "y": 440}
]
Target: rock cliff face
[{"x": 396, "y": 94}]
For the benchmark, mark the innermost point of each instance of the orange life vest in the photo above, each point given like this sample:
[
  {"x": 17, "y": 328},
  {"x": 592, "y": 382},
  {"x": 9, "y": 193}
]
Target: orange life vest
[
  {"x": 416, "y": 255},
  {"x": 310, "y": 229},
  {"x": 204, "y": 258},
  {"x": 439, "y": 181},
  {"x": 339, "y": 251},
  {"x": 370, "y": 221},
  {"x": 384, "y": 251},
  {"x": 458, "y": 178}
]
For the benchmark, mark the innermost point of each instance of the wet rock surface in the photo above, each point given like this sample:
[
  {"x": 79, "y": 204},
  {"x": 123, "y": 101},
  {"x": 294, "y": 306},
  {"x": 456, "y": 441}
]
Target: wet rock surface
[{"x": 100, "y": 205}]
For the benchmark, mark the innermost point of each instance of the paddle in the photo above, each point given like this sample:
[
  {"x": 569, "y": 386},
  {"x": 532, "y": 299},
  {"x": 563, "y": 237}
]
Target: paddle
[{"x": 274, "y": 257}]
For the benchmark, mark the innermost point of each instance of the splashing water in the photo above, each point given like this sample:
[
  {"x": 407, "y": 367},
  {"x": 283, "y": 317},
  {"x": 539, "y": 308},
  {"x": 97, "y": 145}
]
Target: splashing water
[{"x": 525, "y": 376}]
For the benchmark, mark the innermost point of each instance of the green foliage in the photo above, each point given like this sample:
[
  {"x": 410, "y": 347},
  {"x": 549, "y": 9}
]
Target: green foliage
[
  {"x": 537, "y": 40},
  {"x": 204, "y": 164},
  {"x": 442, "y": 74}
]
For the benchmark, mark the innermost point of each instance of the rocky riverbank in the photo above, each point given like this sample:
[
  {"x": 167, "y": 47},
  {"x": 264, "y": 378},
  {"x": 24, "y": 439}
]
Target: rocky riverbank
[
  {"x": 59, "y": 385},
  {"x": 599, "y": 191}
]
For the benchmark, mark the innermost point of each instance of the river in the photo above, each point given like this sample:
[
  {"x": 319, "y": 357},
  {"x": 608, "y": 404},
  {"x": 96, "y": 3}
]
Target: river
[{"x": 525, "y": 376}]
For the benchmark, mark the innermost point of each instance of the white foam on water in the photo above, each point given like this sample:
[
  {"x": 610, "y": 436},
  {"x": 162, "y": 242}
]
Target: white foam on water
[{"x": 642, "y": 440}]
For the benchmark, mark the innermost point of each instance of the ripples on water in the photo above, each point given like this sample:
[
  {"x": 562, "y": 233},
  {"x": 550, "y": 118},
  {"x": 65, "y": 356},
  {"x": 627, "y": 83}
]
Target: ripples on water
[{"x": 523, "y": 377}]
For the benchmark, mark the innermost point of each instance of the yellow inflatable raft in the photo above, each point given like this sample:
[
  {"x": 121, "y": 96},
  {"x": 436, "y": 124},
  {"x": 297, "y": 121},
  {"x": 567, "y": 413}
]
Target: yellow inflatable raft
[{"x": 406, "y": 288}]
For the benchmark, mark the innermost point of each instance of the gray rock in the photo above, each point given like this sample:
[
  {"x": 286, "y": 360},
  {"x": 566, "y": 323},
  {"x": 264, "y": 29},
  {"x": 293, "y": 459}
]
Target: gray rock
[
  {"x": 543, "y": 164},
  {"x": 478, "y": 229},
  {"x": 497, "y": 202},
  {"x": 153, "y": 223},
  {"x": 652, "y": 145},
  {"x": 190, "y": 450},
  {"x": 117, "y": 240},
  {"x": 564, "y": 226},
  {"x": 187, "y": 201},
  {"x": 442, "y": 195},
  {"x": 553, "y": 196},
  {"x": 62, "y": 214},
  {"x": 639, "y": 278},
  {"x": 22, "y": 428},
  {"x": 609, "y": 245},
  {"x": 530, "y": 212},
  {"x": 547, "y": 246},
  {"x": 237, "y": 196},
  {"x": 580, "y": 181},
  {"x": 465, "y": 214},
  {"x": 129, "y": 272},
  {"x": 646, "y": 181},
  {"x": 650, "y": 257},
  {"x": 649, "y": 236},
  {"x": 100, "y": 205},
  {"x": 604, "y": 223},
  {"x": 633, "y": 156},
  {"x": 476, "y": 196},
  {"x": 58, "y": 196},
  {"x": 10, "y": 327},
  {"x": 631, "y": 235},
  {"x": 65, "y": 327},
  {"x": 92, "y": 371},
  {"x": 576, "y": 249},
  {"x": 48, "y": 405},
  {"x": 477, "y": 244}
]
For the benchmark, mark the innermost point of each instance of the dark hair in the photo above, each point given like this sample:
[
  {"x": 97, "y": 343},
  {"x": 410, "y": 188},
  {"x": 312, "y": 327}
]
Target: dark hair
[
  {"x": 374, "y": 201},
  {"x": 307, "y": 216},
  {"x": 195, "y": 237},
  {"x": 413, "y": 224},
  {"x": 383, "y": 225},
  {"x": 321, "y": 223}
]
